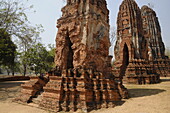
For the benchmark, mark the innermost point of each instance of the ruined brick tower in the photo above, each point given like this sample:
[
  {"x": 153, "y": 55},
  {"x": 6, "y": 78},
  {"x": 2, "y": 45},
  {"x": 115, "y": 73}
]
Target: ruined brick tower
[
  {"x": 83, "y": 77},
  {"x": 156, "y": 48},
  {"x": 129, "y": 33},
  {"x": 152, "y": 33},
  {"x": 139, "y": 44},
  {"x": 83, "y": 33}
]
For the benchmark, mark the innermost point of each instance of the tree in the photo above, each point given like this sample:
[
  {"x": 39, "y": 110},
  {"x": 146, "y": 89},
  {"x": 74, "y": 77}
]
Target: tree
[
  {"x": 15, "y": 67},
  {"x": 112, "y": 36},
  {"x": 24, "y": 50},
  {"x": 39, "y": 58},
  {"x": 7, "y": 51},
  {"x": 51, "y": 56},
  {"x": 14, "y": 21}
]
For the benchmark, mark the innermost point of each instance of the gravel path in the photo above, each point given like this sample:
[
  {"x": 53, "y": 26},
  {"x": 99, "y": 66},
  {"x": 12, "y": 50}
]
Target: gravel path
[{"x": 144, "y": 99}]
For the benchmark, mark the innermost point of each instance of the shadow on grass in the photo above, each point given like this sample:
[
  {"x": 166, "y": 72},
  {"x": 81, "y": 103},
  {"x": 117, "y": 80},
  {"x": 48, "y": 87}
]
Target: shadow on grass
[
  {"x": 134, "y": 93},
  {"x": 119, "y": 103},
  {"x": 9, "y": 89},
  {"x": 165, "y": 80},
  {"x": 9, "y": 84}
]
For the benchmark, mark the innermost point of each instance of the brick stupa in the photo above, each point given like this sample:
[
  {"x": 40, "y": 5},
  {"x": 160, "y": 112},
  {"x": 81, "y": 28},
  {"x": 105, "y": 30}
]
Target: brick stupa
[
  {"x": 139, "y": 50},
  {"x": 156, "y": 47}
]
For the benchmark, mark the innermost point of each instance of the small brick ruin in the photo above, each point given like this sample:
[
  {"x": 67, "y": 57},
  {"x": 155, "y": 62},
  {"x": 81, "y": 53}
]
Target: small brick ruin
[
  {"x": 139, "y": 50},
  {"x": 83, "y": 76},
  {"x": 31, "y": 89}
]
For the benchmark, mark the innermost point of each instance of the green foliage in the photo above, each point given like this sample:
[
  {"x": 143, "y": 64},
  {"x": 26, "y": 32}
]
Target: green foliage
[
  {"x": 14, "y": 21},
  {"x": 51, "y": 51},
  {"x": 51, "y": 55},
  {"x": 38, "y": 59},
  {"x": 15, "y": 24},
  {"x": 31, "y": 54},
  {"x": 7, "y": 49},
  {"x": 8, "y": 52}
]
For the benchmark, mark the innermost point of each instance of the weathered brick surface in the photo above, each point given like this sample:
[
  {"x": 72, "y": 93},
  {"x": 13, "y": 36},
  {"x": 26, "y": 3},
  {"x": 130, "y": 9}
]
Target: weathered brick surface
[
  {"x": 30, "y": 89},
  {"x": 139, "y": 50},
  {"x": 156, "y": 47},
  {"x": 81, "y": 92}
]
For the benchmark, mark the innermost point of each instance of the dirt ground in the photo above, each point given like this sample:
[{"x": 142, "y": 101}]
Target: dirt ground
[{"x": 144, "y": 99}]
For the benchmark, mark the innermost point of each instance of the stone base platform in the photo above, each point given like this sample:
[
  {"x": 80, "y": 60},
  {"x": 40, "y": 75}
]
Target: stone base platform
[
  {"x": 137, "y": 72},
  {"x": 152, "y": 79},
  {"x": 82, "y": 89},
  {"x": 74, "y": 90}
]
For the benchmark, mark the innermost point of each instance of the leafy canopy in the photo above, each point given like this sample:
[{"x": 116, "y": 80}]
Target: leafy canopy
[
  {"x": 7, "y": 49},
  {"x": 14, "y": 21}
]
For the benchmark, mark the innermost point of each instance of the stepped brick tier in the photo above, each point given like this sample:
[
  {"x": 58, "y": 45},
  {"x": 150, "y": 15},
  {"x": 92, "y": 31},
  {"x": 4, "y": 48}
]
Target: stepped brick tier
[
  {"x": 31, "y": 89},
  {"x": 83, "y": 76},
  {"x": 139, "y": 50},
  {"x": 81, "y": 89}
]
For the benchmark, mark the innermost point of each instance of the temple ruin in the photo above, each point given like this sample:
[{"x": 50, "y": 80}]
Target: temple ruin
[
  {"x": 83, "y": 76},
  {"x": 139, "y": 50}
]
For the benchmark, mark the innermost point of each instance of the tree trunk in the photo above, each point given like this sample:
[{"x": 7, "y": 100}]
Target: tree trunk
[
  {"x": 0, "y": 71},
  {"x": 25, "y": 70},
  {"x": 8, "y": 71},
  {"x": 13, "y": 71},
  {"x": 36, "y": 72},
  {"x": 40, "y": 72}
]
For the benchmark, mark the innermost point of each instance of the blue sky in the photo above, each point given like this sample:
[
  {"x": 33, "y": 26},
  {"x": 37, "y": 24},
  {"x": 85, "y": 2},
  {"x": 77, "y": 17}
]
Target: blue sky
[{"x": 48, "y": 11}]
